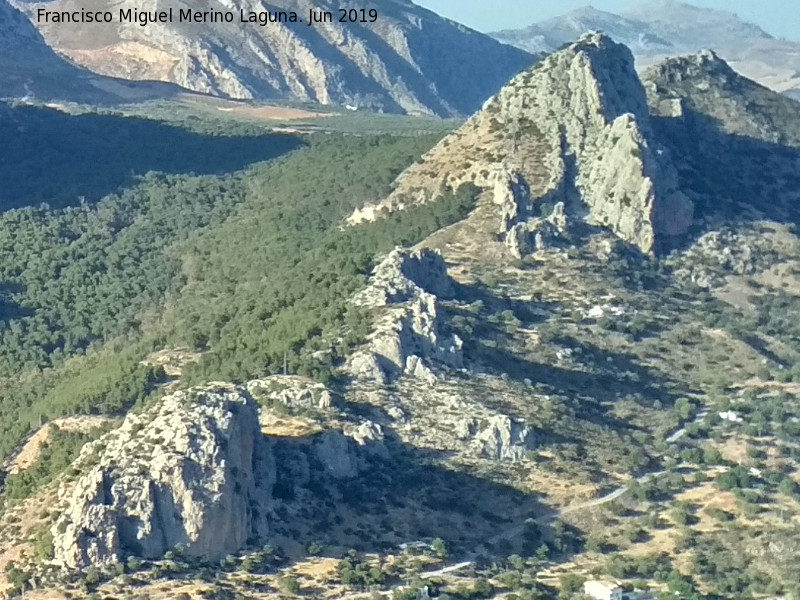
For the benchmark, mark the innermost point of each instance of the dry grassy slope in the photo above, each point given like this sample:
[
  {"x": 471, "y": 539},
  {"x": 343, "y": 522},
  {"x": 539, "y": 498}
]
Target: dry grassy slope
[
  {"x": 29, "y": 452},
  {"x": 495, "y": 142}
]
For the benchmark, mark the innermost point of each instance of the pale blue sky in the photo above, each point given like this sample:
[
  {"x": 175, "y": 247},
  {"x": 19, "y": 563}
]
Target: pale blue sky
[{"x": 780, "y": 18}]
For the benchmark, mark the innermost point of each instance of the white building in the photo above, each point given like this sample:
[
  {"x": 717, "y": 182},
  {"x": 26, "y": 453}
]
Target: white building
[
  {"x": 731, "y": 416},
  {"x": 603, "y": 590}
]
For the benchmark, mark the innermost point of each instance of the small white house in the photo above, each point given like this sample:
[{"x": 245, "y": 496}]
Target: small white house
[
  {"x": 603, "y": 590},
  {"x": 731, "y": 416}
]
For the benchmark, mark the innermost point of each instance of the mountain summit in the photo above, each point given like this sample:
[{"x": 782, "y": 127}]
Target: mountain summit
[
  {"x": 408, "y": 60},
  {"x": 575, "y": 130}
]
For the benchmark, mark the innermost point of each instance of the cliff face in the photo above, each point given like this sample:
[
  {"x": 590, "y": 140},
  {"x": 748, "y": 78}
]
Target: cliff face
[
  {"x": 184, "y": 473},
  {"x": 408, "y": 60},
  {"x": 199, "y": 469},
  {"x": 574, "y": 129}
]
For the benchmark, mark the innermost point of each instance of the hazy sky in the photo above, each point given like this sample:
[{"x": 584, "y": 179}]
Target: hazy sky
[{"x": 778, "y": 17}]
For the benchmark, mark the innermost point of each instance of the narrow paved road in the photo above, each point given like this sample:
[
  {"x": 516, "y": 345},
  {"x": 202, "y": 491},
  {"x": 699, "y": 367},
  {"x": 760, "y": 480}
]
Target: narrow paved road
[
  {"x": 519, "y": 529},
  {"x": 446, "y": 570}
]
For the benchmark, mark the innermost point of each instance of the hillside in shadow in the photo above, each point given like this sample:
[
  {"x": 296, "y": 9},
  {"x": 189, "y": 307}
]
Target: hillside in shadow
[{"x": 51, "y": 157}]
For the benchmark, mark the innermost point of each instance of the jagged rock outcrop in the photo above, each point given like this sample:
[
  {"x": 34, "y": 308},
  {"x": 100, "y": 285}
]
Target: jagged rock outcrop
[
  {"x": 290, "y": 391},
  {"x": 409, "y": 59},
  {"x": 498, "y": 437},
  {"x": 513, "y": 196},
  {"x": 537, "y": 234},
  {"x": 406, "y": 287},
  {"x": 190, "y": 471},
  {"x": 574, "y": 129},
  {"x": 342, "y": 452}
]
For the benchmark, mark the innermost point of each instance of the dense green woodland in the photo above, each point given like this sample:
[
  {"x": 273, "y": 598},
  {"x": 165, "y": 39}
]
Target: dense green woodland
[{"x": 246, "y": 266}]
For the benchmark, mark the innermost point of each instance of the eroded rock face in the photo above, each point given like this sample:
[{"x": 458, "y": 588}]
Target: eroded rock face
[
  {"x": 537, "y": 234},
  {"x": 574, "y": 129},
  {"x": 342, "y": 452},
  {"x": 407, "y": 285},
  {"x": 186, "y": 472}
]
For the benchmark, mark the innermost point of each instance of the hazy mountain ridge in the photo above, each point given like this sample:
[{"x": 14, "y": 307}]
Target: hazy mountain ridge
[
  {"x": 409, "y": 60},
  {"x": 655, "y": 29}
]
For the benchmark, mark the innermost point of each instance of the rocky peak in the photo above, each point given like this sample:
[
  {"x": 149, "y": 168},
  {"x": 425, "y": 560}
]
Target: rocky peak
[
  {"x": 706, "y": 85},
  {"x": 574, "y": 129},
  {"x": 600, "y": 72},
  {"x": 704, "y": 65}
]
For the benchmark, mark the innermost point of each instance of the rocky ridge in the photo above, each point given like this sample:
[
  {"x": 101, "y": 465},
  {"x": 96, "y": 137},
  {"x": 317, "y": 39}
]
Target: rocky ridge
[
  {"x": 409, "y": 60},
  {"x": 410, "y": 349},
  {"x": 408, "y": 336},
  {"x": 574, "y": 129},
  {"x": 705, "y": 83}
]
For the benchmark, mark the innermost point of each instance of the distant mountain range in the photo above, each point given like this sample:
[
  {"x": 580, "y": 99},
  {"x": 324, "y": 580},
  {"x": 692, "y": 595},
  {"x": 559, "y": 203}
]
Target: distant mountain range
[
  {"x": 408, "y": 60},
  {"x": 655, "y": 29}
]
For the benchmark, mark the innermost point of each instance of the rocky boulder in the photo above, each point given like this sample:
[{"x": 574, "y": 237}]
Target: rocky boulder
[{"x": 188, "y": 471}]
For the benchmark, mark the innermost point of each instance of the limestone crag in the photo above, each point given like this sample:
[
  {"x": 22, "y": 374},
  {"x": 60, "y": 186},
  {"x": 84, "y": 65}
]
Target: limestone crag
[
  {"x": 342, "y": 451},
  {"x": 454, "y": 416},
  {"x": 575, "y": 129},
  {"x": 183, "y": 472},
  {"x": 512, "y": 195},
  {"x": 405, "y": 288},
  {"x": 402, "y": 274}
]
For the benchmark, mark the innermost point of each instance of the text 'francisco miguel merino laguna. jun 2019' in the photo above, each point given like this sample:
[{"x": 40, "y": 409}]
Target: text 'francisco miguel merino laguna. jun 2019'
[{"x": 187, "y": 15}]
